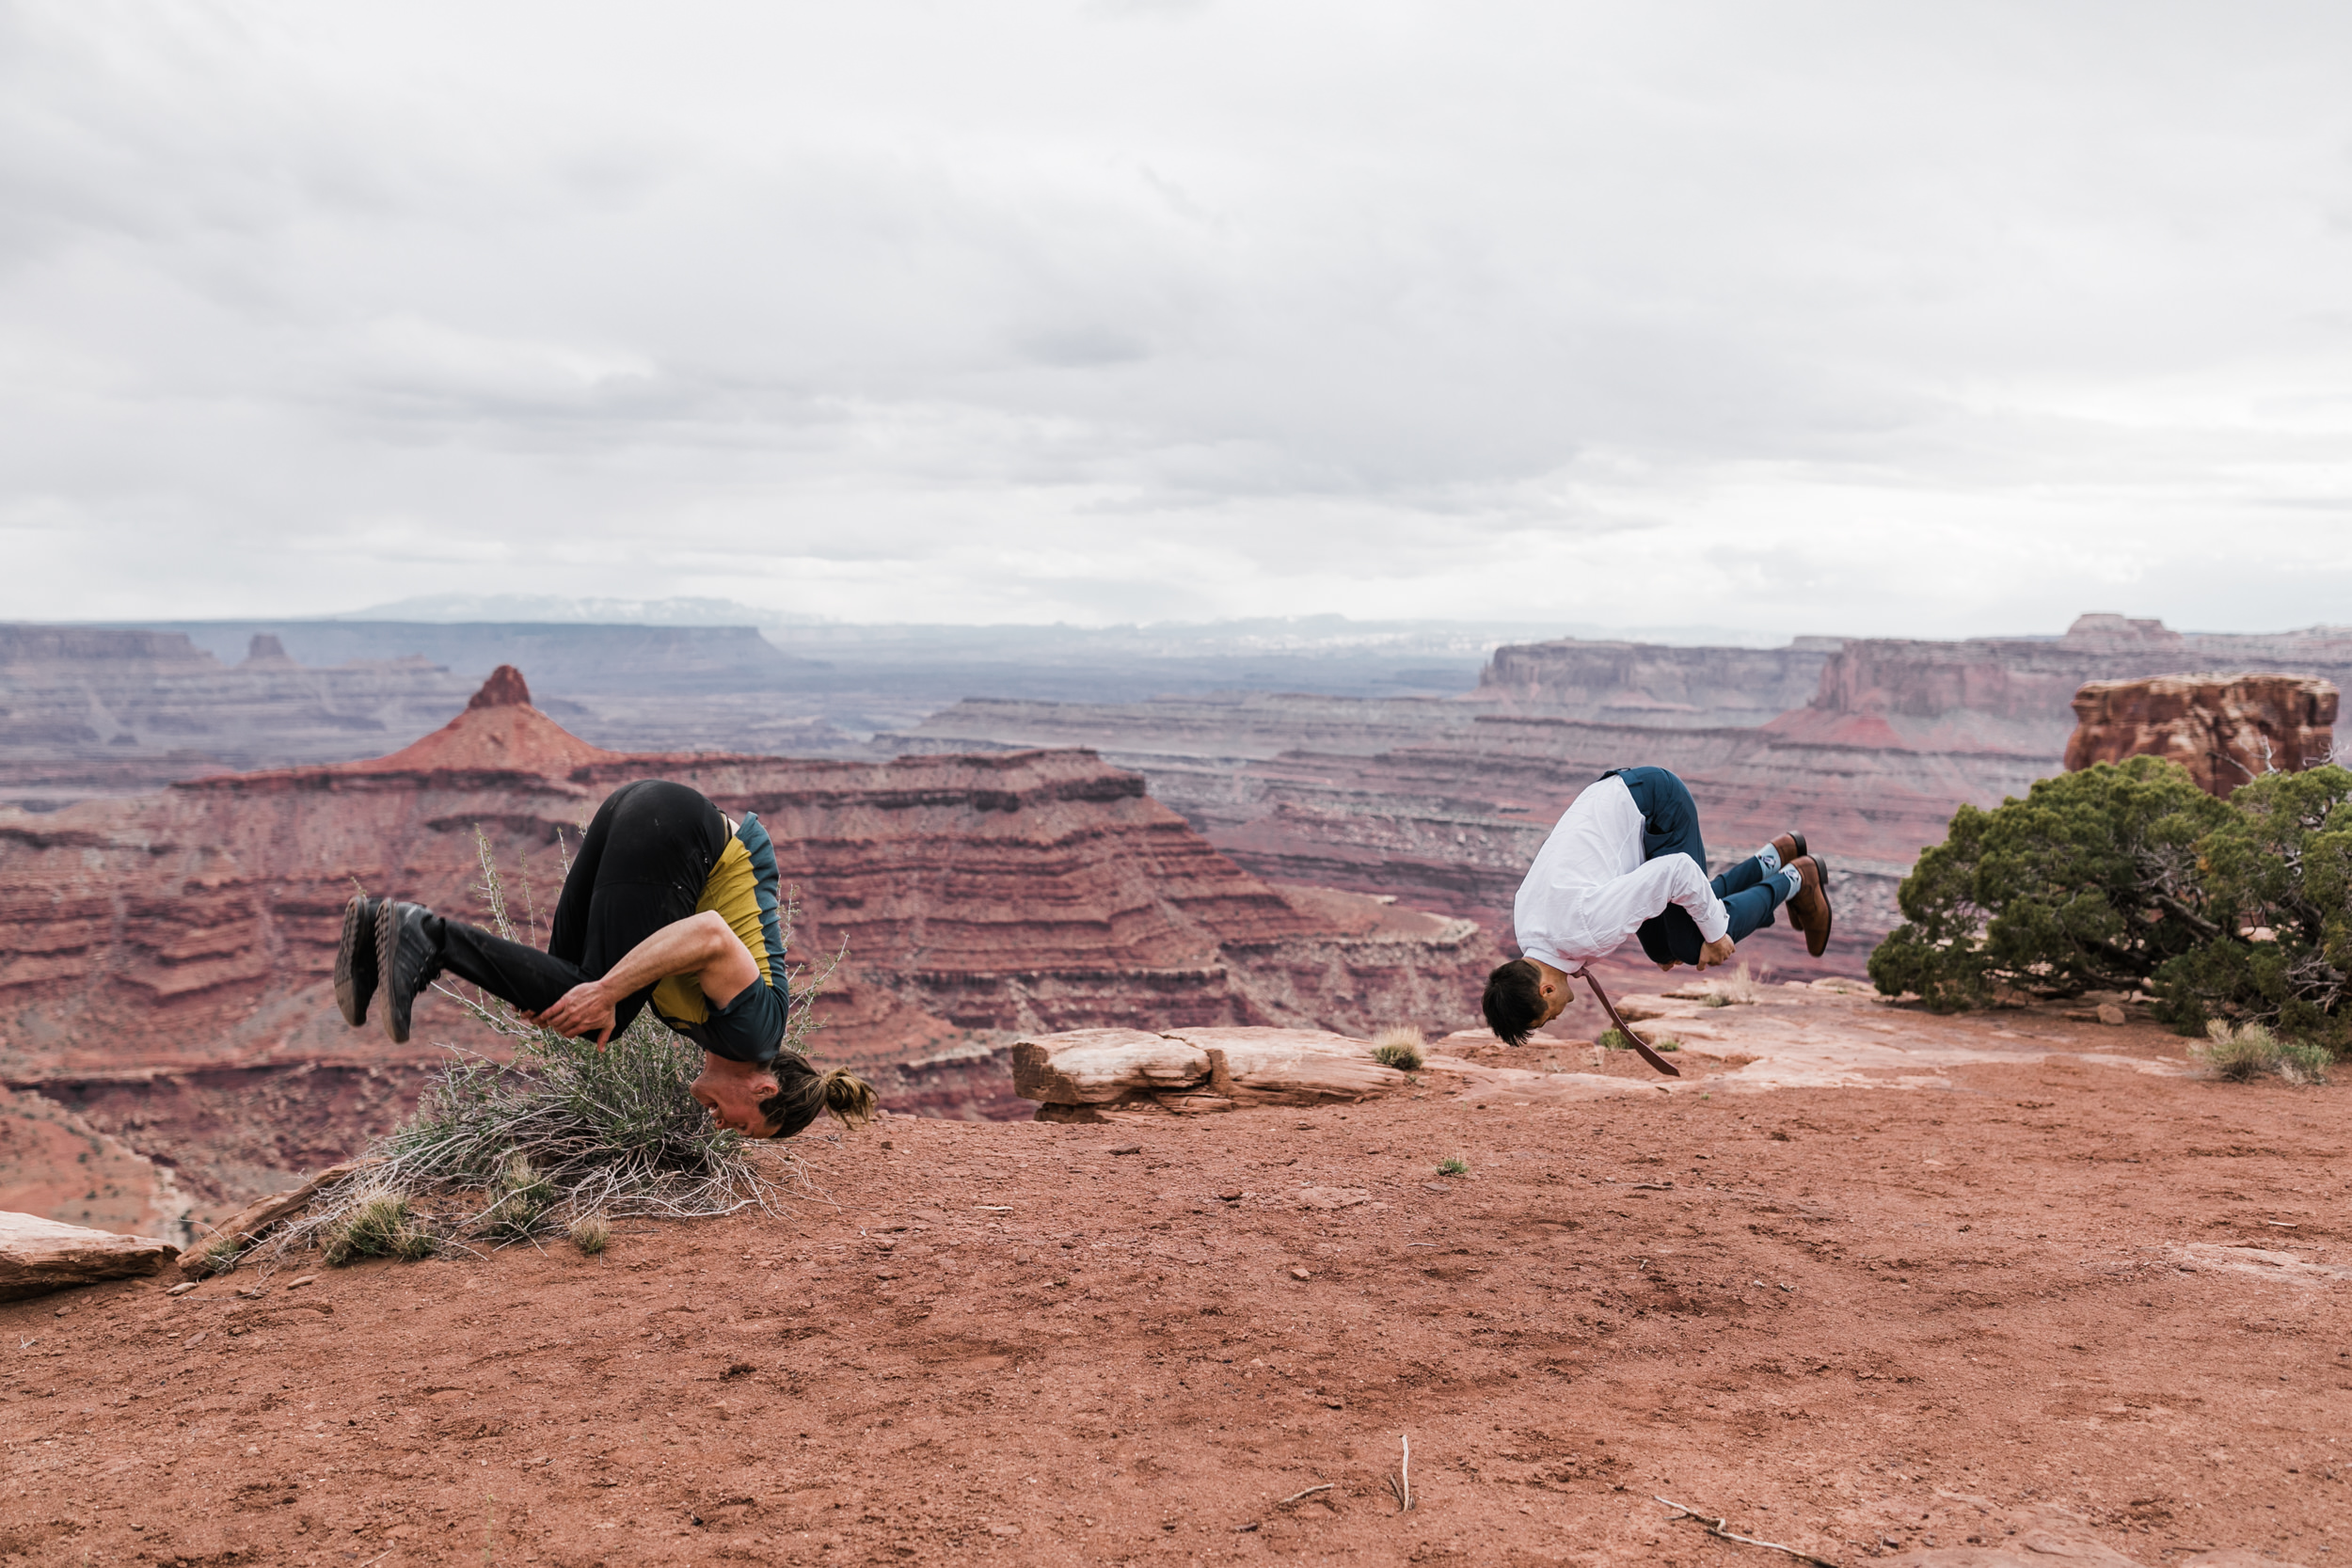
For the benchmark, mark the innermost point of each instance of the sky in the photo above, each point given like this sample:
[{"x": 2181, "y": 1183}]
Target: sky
[{"x": 1864, "y": 319}]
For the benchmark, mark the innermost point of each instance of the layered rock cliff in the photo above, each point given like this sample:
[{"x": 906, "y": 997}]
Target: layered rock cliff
[
  {"x": 192, "y": 932},
  {"x": 2225, "y": 729},
  {"x": 1443, "y": 804},
  {"x": 2016, "y": 694}
]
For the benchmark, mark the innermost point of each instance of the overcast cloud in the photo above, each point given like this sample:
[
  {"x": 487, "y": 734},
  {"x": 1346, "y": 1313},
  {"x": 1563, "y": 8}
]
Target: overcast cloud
[{"x": 1864, "y": 318}]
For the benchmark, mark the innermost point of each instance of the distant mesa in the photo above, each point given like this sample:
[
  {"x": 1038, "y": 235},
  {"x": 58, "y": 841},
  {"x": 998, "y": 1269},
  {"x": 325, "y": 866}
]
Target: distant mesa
[
  {"x": 1654, "y": 685},
  {"x": 2226, "y": 730},
  {"x": 2101, "y": 633},
  {"x": 2010, "y": 695},
  {"x": 89, "y": 711}
]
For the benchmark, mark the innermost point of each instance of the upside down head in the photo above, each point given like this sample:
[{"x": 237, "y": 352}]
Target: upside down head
[{"x": 1515, "y": 1003}]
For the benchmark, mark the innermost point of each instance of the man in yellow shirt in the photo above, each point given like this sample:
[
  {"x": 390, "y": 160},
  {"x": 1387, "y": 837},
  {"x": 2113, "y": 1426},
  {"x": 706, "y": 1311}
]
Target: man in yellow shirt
[{"x": 668, "y": 904}]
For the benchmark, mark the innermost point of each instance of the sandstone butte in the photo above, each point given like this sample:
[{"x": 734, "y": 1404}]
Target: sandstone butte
[
  {"x": 165, "y": 958},
  {"x": 2224, "y": 729}
]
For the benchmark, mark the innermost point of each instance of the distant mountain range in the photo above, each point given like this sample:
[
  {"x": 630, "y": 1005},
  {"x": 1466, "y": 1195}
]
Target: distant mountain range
[
  {"x": 1295, "y": 633},
  {"x": 559, "y": 608}
]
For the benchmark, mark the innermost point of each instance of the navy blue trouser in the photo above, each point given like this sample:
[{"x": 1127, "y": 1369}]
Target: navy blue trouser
[{"x": 1670, "y": 826}]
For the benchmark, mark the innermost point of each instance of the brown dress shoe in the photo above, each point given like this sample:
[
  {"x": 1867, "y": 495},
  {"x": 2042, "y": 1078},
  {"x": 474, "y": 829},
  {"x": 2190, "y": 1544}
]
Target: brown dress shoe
[
  {"x": 1789, "y": 847},
  {"x": 1808, "y": 910}
]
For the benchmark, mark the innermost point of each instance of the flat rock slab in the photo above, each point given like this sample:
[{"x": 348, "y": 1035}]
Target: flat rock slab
[
  {"x": 1253, "y": 1041},
  {"x": 1096, "y": 1067},
  {"x": 1289, "y": 1066},
  {"x": 1510, "y": 1086},
  {"x": 1113, "y": 1075},
  {"x": 38, "y": 1256},
  {"x": 1838, "y": 1033}
]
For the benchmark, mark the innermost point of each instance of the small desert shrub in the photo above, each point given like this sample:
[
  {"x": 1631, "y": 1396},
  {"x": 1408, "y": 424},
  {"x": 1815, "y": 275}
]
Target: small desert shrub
[
  {"x": 1454, "y": 1167},
  {"x": 591, "y": 1234},
  {"x": 379, "y": 1226},
  {"x": 1611, "y": 1039},
  {"x": 1737, "y": 989},
  {"x": 2250, "y": 1050},
  {"x": 1398, "y": 1046},
  {"x": 522, "y": 1197},
  {"x": 222, "y": 1256}
]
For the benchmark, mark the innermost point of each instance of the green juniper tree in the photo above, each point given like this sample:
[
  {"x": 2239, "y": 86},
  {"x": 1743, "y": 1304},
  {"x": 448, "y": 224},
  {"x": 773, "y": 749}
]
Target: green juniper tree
[
  {"x": 2090, "y": 881},
  {"x": 2278, "y": 875},
  {"x": 2126, "y": 875}
]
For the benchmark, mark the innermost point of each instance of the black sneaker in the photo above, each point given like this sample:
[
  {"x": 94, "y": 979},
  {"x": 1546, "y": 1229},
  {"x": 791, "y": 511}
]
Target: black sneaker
[
  {"x": 407, "y": 961},
  {"x": 354, "y": 960}
]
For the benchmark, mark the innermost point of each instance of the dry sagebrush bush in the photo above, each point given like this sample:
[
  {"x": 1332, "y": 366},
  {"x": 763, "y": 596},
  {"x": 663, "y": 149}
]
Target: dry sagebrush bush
[
  {"x": 2250, "y": 1050},
  {"x": 1398, "y": 1046}
]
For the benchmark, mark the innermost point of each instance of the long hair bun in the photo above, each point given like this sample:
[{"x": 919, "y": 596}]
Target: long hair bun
[
  {"x": 803, "y": 1094},
  {"x": 850, "y": 1097}
]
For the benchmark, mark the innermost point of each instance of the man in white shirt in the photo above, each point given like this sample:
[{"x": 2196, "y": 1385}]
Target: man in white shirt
[{"x": 1627, "y": 859}]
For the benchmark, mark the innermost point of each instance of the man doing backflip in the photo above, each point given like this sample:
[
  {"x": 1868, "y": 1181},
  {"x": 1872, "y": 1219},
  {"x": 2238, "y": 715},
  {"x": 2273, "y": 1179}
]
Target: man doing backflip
[
  {"x": 669, "y": 905},
  {"x": 1627, "y": 859}
]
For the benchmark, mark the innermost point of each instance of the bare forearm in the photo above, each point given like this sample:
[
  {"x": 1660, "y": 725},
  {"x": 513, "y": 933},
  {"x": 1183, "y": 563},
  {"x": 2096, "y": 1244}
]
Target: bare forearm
[{"x": 683, "y": 947}]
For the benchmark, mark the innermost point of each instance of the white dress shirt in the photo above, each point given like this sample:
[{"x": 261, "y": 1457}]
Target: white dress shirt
[{"x": 1590, "y": 889}]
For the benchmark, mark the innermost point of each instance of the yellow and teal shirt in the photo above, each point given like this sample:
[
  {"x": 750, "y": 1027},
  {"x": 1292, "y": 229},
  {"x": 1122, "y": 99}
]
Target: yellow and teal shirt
[{"x": 743, "y": 888}]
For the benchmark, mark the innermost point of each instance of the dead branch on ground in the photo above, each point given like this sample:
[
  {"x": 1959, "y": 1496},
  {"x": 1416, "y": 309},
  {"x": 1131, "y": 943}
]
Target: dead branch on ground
[{"x": 1722, "y": 1529}]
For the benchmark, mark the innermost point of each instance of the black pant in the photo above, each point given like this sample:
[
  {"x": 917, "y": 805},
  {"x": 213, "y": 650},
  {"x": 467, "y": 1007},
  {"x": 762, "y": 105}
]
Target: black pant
[{"x": 648, "y": 855}]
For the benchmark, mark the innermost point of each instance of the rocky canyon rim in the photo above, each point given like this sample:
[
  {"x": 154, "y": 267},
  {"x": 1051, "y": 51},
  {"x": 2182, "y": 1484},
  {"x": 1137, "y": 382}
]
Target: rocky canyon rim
[
  {"x": 167, "y": 955},
  {"x": 2057, "y": 1284}
]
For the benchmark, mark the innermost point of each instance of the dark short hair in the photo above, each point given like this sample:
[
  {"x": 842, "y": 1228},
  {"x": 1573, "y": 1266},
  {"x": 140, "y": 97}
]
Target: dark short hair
[
  {"x": 803, "y": 1094},
  {"x": 1514, "y": 1001}
]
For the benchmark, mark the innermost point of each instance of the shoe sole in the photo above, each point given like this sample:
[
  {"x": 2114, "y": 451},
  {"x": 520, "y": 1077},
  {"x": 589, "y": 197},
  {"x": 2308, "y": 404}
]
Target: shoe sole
[
  {"x": 387, "y": 944},
  {"x": 352, "y": 991}
]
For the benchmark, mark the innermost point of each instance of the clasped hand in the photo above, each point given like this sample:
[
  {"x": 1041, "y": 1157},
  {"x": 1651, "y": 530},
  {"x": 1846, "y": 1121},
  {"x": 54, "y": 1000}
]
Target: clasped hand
[
  {"x": 1716, "y": 952},
  {"x": 582, "y": 1010}
]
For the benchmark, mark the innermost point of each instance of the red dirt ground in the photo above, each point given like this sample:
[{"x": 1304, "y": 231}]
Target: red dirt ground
[{"x": 1854, "y": 1321}]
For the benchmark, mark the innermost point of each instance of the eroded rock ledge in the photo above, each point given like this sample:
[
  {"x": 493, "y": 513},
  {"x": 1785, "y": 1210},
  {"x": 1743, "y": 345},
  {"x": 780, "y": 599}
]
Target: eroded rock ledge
[{"x": 1112, "y": 1074}]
